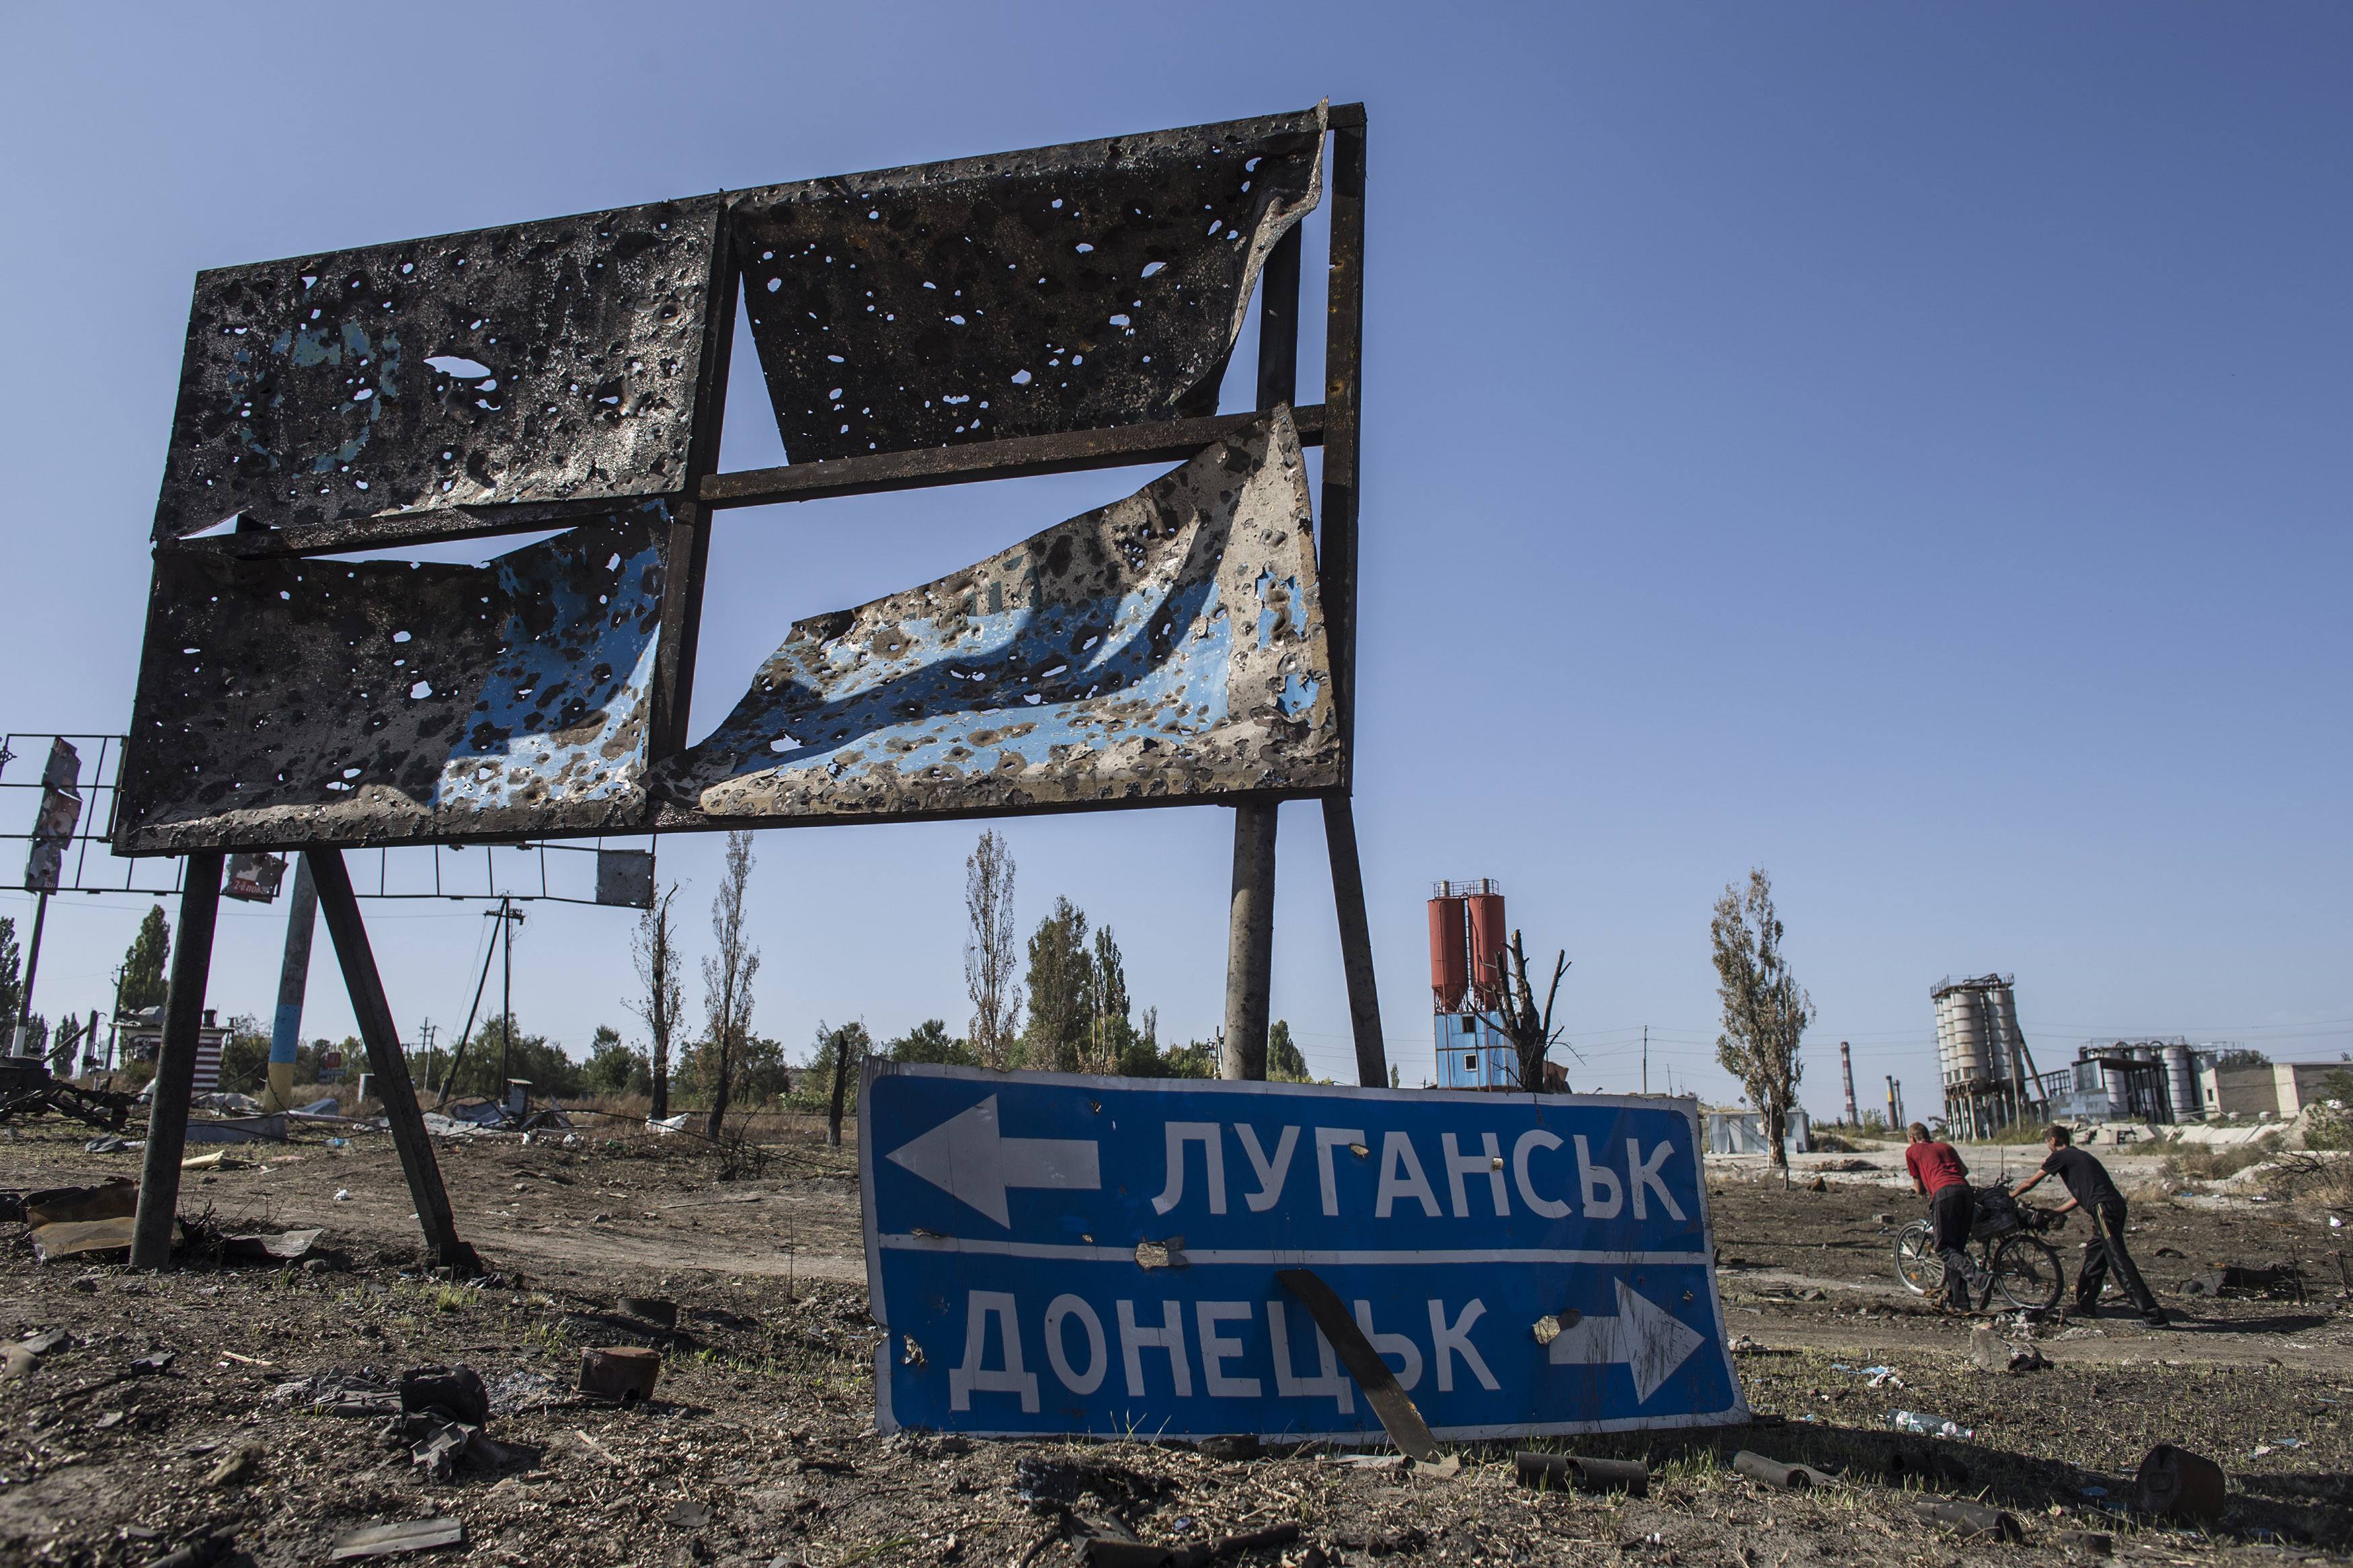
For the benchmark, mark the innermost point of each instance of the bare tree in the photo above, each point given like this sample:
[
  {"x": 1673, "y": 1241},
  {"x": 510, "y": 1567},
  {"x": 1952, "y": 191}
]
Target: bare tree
[
  {"x": 991, "y": 951},
  {"x": 847, "y": 1048},
  {"x": 657, "y": 958},
  {"x": 1765, "y": 1010},
  {"x": 727, "y": 975},
  {"x": 1531, "y": 1032}
]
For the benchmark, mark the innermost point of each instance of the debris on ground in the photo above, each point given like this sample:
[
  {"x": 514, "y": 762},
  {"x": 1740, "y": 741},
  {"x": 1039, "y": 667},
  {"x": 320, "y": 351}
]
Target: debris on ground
[{"x": 397, "y": 1540}]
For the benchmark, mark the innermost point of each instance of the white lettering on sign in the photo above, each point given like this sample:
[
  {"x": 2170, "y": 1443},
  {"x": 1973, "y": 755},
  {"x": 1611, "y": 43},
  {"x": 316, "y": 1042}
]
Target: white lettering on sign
[
  {"x": 973, "y": 1376},
  {"x": 1402, "y": 1177},
  {"x": 1645, "y": 1173},
  {"x": 1489, "y": 1163},
  {"x": 1326, "y": 1140},
  {"x": 1398, "y": 1345},
  {"x": 1169, "y": 1336},
  {"x": 1213, "y": 1158},
  {"x": 1536, "y": 1138},
  {"x": 1060, "y": 1311},
  {"x": 1271, "y": 1172},
  {"x": 1327, "y": 1383},
  {"x": 1447, "y": 1341},
  {"x": 1596, "y": 1180},
  {"x": 1217, "y": 1347}
]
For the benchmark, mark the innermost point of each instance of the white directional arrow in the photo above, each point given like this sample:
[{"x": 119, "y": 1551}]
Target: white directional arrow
[
  {"x": 964, "y": 1156},
  {"x": 1652, "y": 1341}
]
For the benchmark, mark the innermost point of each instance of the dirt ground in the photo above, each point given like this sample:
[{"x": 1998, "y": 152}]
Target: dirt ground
[{"x": 757, "y": 1449}]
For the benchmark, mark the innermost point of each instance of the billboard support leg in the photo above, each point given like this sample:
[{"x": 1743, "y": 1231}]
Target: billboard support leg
[
  {"x": 1249, "y": 942},
  {"x": 1356, "y": 942},
  {"x": 341, "y": 908},
  {"x": 176, "y": 1063}
]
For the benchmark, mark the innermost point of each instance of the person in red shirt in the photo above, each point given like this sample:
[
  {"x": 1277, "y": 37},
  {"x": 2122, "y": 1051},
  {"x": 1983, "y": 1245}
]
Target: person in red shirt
[{"x": 1938, "y": 1174}]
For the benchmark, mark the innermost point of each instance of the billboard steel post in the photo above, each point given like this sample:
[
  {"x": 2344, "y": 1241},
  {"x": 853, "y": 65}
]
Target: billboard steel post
[
  {"x": 1344, "y": 351},
  {"x": 176, "y": 1062},
  {"x": 341, "y": 908}
]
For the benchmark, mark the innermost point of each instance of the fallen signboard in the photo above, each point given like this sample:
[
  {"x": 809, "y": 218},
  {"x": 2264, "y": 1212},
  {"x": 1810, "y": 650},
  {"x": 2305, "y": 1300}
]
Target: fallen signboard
[{"x": 1058, "y": 1254}]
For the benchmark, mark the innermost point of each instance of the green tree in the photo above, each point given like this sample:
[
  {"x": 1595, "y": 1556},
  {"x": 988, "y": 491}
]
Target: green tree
[
  {"x": 1284, "y": 1064},
  {"x": 534, "y": 1058},
  {"x": 930, "y": 1041},
  {"x": 245, "y": 1055},
  {"x": 143, "y": 981},
  {"x": 988, "y": 951},
  {"x": 12, "y": 976},
  {"x": 661, "y": 1001},
  {"x": 1765, "y": 1011},
  {"x": 727, "y": 978},
  {"x": 1109, "y": 1031},
  {"x": 613, "y": 1068},
  {"x": 2241, "y": 1057},
  {"x": 64, "y": 1048},
  {"x": 1059, "y": 976}
]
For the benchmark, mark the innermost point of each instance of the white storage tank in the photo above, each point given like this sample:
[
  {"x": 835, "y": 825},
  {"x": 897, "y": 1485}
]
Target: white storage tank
[
  {"x": 2181, "y": 1084},
  {"x": 1961, "y": 1034}
]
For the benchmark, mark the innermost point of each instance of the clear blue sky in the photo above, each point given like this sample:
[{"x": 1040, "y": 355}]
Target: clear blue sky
[{"x": 1906, "y": 447}]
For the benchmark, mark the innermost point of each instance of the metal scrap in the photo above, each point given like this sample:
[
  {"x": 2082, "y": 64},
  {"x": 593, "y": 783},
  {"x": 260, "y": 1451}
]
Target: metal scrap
[
  {"x": 1168, "y": 647},
  {"x": 293, "y": 701},
  {"x": 555, "y": 361},
  {"x": 1063, "y": 289}
]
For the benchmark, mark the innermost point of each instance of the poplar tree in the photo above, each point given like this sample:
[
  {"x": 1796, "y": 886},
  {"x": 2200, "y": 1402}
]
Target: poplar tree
[{"x": 1765, "y": 1011}]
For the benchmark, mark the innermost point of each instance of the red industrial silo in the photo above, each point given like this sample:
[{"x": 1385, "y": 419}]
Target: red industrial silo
[
  {"x": 1487, "y": 939},
  {"x": 1449, "y": 961}
]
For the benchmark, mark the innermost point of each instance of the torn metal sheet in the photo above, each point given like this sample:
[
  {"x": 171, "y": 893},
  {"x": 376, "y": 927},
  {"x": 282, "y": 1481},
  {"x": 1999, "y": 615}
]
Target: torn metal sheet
[
  {"x": 542, "y": 361},
  {"x": 287, "y": 702},
  {"x": 1097, "y": 284},
  {"x": 1167, "y": 646}
]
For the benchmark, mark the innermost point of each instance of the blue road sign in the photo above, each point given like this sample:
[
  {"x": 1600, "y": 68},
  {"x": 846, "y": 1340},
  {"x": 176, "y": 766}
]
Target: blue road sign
[{"x": 1056, "y": 1254}]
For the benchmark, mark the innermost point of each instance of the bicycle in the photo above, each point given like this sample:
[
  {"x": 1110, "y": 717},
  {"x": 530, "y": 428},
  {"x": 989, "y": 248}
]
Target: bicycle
[{"x": 2018, "y": 1262}]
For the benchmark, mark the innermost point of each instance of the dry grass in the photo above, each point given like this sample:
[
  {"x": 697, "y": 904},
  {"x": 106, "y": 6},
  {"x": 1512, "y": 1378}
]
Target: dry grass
[{"x": 2216, "y": 1162}]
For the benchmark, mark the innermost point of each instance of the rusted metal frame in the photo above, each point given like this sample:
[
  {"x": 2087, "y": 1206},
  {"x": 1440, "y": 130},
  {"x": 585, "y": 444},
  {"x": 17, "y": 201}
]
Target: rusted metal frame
[
  {"x": 690, "y": 532},
  {"x": 176, "y": 1063},
  {"x": 1024, "y": 457},
  {"x": 1356, "y": 942},
  {"x": 425, "y": 526},
  {"x": 390, "y": 1067},
  {"x": 1250, "y": 931},
  {"x": 1344, "y": 351},
  {"x": 1389, "y": 1401},
  {"x": 1027, "y": 456}
]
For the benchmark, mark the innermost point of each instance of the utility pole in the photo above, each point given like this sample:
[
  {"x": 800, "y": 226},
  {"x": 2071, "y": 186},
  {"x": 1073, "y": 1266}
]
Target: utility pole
[
  {"x": 425, "y": 1032},
  {"x": 293, "y": 984},
  {"x": 509, "y": 918},
  {"x": 1646, "y": 1058}
]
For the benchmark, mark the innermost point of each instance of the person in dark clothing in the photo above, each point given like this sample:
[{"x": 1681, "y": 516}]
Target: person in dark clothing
[
  {"x": 1938, "y": 1174},
  {"x": 2090, "y": 1189}
]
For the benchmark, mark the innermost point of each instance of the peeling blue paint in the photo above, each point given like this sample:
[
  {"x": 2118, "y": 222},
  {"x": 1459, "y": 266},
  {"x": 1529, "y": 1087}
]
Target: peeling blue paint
[{"x": 1106, "y": 666}]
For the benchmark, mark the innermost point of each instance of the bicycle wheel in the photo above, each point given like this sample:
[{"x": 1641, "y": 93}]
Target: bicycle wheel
[
  {"x": 2027, "y": 1273},
  {"x": 1917, "y": 1263}
]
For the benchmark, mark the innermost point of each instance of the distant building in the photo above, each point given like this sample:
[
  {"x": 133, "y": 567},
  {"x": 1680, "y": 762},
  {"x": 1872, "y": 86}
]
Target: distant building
[
  {"x": 2277, "y": 1089},
  {"x": 1738, "y": 1130},
  {"x": 142, "y": 1041}
]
